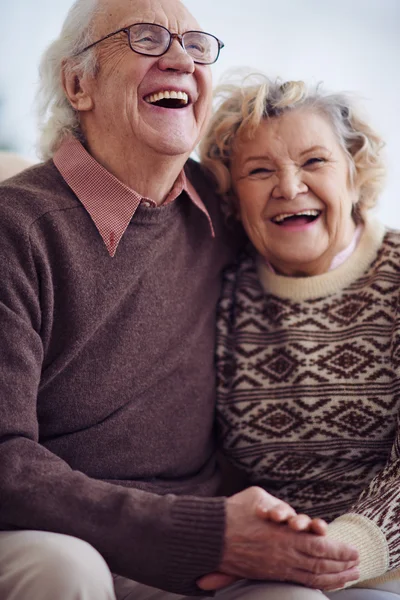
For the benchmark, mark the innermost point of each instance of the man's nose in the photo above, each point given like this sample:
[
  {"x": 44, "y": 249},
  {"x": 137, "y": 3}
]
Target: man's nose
[
  {"x": 176, "y": 59},
  {"x": 289, "y": 184}
]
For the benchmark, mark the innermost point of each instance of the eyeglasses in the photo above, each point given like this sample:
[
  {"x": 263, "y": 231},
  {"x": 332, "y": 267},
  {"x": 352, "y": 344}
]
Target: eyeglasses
[{"x": 151, "y": 39}]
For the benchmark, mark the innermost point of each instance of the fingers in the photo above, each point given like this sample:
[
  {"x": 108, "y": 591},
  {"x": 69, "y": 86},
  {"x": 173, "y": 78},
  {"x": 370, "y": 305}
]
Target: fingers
[
  {"x": 331, "y": 581},
  {"x": 300, "y": 523},
  {"x": 284, "y": 513},
  {"x": 321, "y": 566},
  {"x": 324, "y": 580},
  {"x": 319, "y": 526},
  {"x": 265, "y": 503},
  {"x": 305, "y": 523},
  {"x": 325, "y": 548},
  {"x": 215, "y": 581},
  {"x": 279, "y": 512}
]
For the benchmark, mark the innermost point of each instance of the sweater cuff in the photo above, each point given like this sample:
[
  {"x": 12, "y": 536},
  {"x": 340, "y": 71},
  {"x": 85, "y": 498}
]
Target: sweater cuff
[
  {"x": 196, "y": 544},
  {"x": 365, "y": 535}
]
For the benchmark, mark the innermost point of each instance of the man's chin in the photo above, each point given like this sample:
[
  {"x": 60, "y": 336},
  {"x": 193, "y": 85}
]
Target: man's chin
[{"x": 174, "y": 147}]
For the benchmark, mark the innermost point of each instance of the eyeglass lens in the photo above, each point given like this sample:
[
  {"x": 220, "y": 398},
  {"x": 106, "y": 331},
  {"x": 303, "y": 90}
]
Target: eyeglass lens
[{"x": 154, "y": 41}]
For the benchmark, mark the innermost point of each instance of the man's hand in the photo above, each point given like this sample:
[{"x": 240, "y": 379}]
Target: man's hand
[{"x": 256, "y": 548}]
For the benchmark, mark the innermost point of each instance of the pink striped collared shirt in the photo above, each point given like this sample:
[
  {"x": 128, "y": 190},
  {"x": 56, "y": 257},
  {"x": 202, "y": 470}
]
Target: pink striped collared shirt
[{"x": 110, "y": 203}]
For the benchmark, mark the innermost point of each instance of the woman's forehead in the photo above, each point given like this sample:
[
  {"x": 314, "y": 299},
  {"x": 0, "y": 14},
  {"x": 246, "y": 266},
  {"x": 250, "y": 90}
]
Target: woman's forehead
[
  {"x": 294, "y": 130},
  {"x": 295, "y": 126}
]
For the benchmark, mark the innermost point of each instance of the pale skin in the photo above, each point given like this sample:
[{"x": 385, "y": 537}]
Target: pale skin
[
  {"x": 146, "y": 148},
  {"x": 295, "y": 548},
  {"x": 295, "y": 163}
]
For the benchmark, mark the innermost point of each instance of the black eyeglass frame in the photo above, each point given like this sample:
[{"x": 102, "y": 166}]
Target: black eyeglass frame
[{"x": 172, "y": 36}]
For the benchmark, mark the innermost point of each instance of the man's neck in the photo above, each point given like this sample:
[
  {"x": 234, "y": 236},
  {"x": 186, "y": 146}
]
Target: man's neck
[{"x": 151, "y": 175}]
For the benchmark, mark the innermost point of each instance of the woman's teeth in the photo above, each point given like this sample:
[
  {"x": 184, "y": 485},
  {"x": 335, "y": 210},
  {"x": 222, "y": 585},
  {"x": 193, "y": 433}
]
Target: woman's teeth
[{"x": 304, "y": 213}]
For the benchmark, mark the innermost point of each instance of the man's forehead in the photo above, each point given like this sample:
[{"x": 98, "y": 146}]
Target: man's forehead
[{"x": 171, "y": 13}]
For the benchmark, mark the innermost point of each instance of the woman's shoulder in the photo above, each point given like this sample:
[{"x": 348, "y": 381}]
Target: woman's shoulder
[
  {"x": 391, "y": 238},
  {"x": 243, "y": 266},
  {"x": 389, "y": 251}
]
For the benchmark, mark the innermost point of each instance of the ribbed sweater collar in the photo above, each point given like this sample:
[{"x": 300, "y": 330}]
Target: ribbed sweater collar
[{"x": 332, "y": 282}]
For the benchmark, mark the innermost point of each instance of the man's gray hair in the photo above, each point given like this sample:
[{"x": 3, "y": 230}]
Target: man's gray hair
[{"x": 57, "y": 118}]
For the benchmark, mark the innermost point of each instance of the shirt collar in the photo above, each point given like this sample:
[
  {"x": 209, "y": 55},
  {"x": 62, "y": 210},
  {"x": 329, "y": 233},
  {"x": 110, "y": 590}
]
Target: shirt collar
[{"x": 110, "y": 203}]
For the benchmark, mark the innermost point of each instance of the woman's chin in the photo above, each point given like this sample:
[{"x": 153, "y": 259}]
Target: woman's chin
[{"x": 306, "y": 266}]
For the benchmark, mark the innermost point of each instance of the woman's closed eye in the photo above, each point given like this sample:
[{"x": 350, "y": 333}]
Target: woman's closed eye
[
  {"x": 263, "y": 171},
  {"x": 315, "y": 161}
]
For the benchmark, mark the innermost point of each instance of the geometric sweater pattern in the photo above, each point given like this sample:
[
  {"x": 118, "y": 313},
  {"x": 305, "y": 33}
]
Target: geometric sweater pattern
[{"x": 309, "y": 391}]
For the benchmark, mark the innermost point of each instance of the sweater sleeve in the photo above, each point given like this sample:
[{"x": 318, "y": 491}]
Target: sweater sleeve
[
  {"x": 165, "y": 541},
  {"x": 372, "y": 523}
]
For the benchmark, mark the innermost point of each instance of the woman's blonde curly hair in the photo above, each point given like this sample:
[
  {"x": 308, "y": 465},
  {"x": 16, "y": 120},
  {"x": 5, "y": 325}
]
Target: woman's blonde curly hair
[{"x": 242, "y": 107}]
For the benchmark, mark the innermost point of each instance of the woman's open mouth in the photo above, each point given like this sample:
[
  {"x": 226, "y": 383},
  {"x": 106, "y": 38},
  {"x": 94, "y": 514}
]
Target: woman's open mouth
[{"x": 303, "y": 217}]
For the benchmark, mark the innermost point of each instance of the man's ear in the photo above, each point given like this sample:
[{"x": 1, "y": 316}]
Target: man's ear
[{"x": 76, "y": 89}]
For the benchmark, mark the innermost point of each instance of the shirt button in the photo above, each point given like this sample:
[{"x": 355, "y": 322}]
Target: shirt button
[{"x": 147, "y": 203}]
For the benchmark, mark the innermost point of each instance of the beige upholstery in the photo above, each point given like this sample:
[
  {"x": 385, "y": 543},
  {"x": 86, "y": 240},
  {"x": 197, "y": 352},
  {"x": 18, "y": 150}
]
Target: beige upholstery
[{"x": 11, "y": 164}]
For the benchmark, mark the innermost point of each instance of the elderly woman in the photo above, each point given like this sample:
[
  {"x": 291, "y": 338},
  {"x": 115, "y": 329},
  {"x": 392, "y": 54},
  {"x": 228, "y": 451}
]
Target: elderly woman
[{"x": 309, "y": 322}]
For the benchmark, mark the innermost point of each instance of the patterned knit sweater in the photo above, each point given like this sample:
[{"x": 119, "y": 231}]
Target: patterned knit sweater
[{"x": 309, "y": 392}]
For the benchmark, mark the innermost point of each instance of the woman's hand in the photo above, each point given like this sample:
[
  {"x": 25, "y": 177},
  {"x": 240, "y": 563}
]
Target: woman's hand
[
  {"x": 283, "y": 513},
  {"x": 271, "y": 508}
]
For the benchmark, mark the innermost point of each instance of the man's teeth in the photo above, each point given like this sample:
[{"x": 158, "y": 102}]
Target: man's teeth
[
  {"x": 167, "y": 95},
  {"x": 304, "y": 213}
]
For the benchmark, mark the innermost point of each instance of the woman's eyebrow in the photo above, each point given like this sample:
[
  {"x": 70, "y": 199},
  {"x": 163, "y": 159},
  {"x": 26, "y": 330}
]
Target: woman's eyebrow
[
  {"x": 257, "y": 157},
  {"x": 313, "y": 149}
]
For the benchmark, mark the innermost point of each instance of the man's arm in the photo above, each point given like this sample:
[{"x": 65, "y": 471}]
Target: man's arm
[{"x": 165, "y": 541}]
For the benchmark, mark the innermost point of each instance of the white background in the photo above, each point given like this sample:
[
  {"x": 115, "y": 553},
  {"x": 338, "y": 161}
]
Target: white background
[{"x": 349, "y": 45}]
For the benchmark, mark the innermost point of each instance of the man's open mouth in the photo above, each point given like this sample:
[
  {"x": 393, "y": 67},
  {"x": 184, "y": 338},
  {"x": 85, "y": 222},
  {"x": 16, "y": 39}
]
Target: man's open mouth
[
  {"x": 168, "y": 99},
  {"x": 299, "y": 218}
]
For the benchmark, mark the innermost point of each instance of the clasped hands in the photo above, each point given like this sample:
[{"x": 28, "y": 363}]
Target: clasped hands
[{"x": 266, "y": 539}]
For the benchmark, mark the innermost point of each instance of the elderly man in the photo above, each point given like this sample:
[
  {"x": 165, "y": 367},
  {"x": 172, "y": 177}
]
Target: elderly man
[{"x": 111, "y": 256}]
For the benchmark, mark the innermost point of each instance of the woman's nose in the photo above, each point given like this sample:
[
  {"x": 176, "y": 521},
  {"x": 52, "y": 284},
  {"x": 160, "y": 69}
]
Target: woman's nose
[{"x": 290, "y": 183}]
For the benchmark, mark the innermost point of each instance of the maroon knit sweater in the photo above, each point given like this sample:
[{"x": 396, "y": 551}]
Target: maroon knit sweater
[{"x": 107, "y": 378}]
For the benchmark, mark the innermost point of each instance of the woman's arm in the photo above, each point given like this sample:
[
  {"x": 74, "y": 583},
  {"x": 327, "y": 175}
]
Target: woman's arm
[{"x": 373, "y": 522}]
